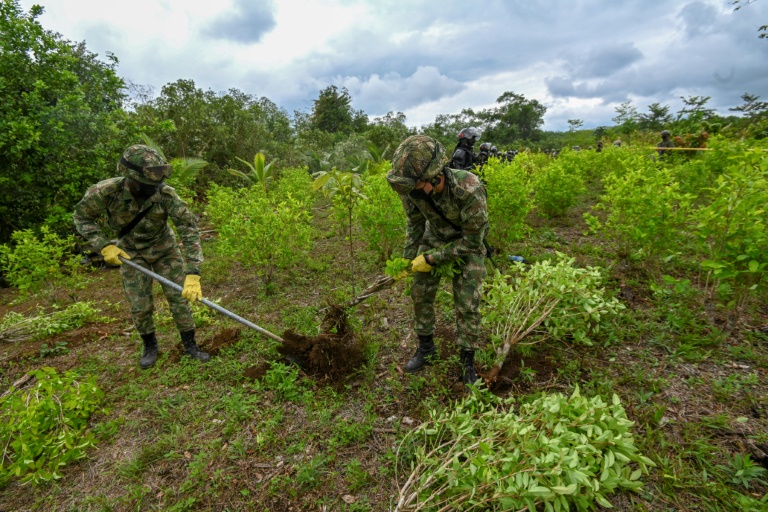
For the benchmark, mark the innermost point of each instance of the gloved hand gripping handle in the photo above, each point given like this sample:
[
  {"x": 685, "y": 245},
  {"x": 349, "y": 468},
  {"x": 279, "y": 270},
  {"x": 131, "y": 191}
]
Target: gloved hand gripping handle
[{"x": 208, "y": 303}]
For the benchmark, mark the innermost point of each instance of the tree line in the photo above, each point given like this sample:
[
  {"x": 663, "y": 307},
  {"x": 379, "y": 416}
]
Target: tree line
[{"x": 66, "y": 116}]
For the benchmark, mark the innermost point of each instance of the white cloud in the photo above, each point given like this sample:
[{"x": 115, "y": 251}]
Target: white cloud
[{"x": 425, "y": 58}]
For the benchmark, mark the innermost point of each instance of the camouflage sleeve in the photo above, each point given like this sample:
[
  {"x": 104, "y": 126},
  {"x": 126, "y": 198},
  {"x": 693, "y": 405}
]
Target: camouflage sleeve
[
  {"x": 92, "y": 206},
  {"x": 186, "y": 225},
  {"x": 415, "y": 226},
  {"x": 474, "y": 227}
]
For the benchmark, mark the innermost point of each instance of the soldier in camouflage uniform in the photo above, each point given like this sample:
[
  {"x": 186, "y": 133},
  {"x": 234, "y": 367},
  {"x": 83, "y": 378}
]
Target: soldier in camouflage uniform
[
  {"x": 666, "y": 142},
  {"x": 447, "y": 220},
  {"x": 150, "y": 243}
]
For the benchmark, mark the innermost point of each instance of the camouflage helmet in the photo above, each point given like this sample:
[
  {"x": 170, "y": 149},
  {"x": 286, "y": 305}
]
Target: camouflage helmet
[
  {"x": 417, "y": 158},
  {"x": 143, "y": 164},
  {"x": 665, "y": 133}
]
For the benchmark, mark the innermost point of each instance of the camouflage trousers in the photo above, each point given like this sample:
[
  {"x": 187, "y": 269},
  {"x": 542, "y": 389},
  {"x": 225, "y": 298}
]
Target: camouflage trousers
[
  {"x": 467, "y": 289},
  {"x": 138, "y": 288}
]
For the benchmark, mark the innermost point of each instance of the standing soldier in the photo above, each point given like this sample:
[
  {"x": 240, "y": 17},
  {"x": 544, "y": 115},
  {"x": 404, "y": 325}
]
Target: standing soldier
[
  {"x": 447, "y": 222},
  {"x": 137, "y": 207},
  {"x": 666, "y": 142},
  {"x": 463, "y": 157}
]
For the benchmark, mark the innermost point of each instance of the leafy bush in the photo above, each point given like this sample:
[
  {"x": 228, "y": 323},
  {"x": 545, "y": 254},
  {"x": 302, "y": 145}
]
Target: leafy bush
[
  {"x": 297, "y": 183},
  {"x": 509, "y": 200},
  {"x": 15, "y": 327},
  {"x": 559, "y": 452},
  {"x": 34, "y": 262},
  {"x": 557, "y": 188},
  {"x": 646, "y": 210},
  {"x": 43, "y": 429},
  {"x": 732, "y": 231},
  {"x": 382, "y": 217},
  {"x": 563, "y": 299},
  {"x": 269, "y": 234}
]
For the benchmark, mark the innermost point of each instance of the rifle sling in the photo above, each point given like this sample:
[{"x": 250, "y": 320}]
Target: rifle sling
[{"x": 129, "y": 227}]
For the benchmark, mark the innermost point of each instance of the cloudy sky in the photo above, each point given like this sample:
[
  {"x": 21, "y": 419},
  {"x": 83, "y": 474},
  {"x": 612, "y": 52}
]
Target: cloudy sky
[{"x": 580, "y": 58}]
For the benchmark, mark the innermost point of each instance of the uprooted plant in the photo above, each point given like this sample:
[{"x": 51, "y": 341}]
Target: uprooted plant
[
  {"x": 557, "y": 453},
  {"x": 551, "y": 299}
]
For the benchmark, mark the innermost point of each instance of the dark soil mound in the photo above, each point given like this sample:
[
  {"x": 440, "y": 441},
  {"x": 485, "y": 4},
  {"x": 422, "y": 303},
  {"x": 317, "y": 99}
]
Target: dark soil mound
[
  {"x": 332, "y": 355},
  {"x": 221, "y": 339}
]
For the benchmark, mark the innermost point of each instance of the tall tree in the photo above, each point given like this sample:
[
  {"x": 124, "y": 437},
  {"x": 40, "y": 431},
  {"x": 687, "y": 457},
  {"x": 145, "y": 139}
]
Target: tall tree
[
  {"x": 656, "y": 118},
  {"x": 515, "y": 119},
  {"x": 574, "y": 124},
  {"x": 332, "y": 112},
  {"x": 695, "y": 109},
  {"x": 751, "y": 108},
  {"x": 61, "y": 122},
  {"x": 626, "y": 119}
]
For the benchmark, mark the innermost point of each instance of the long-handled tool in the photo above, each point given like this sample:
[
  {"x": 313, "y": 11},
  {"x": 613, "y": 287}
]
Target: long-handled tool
[{"x": 208, "y": 303}]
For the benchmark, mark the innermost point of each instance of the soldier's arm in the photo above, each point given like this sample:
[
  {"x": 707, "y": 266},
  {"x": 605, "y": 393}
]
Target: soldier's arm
[
  {"x": 474, "y": 226},
  {"x": 186, "y": 225},
  {"x": 414, "y": 229},
  {"x": 92, "y": 206}
]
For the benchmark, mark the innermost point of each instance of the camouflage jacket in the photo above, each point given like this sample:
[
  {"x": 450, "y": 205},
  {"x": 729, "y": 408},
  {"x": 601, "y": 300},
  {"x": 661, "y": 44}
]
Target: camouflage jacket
[
  {"x": 463, "y": 203},
  {"x": 152, "y": 234}
]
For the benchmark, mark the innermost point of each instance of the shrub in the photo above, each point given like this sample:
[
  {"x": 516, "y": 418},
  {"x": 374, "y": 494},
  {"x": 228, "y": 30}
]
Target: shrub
[
  {"x": 557, "y": 188},
  {"x": 43, "y": 429},
  {"x": 15, "y": 327},
  {"x": 269, "y": 234},
  {"x": 732, "y": 232},
  {"x": 645, "y": 210},
  {"x": 563, "y": 299},
  {"x": 382, "y": 217},
  {"x": 509, "y": 200},
  {"x": 35, "y": 262},
  {"x": 557, "y": 453}
]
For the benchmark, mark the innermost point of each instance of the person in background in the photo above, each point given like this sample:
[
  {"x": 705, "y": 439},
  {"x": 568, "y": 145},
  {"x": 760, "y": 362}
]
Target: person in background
[
  {"x": 463, "y": 157},
  {"x": 666, "y": 142}
]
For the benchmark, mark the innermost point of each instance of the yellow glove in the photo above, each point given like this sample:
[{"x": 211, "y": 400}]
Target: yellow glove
[
  {"x": 111, "y": 253},
  {"x": 403, "y": 273},
  {"x": 192, "y": 290},
  {"x": 420, "y": 264}
]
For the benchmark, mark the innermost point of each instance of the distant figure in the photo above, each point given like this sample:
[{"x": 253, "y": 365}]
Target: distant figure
[
  {"x": 482, "y": 156},
  {"x": 599, "y": 146},
  {"x": 666, "y": 142},
  {"x": 494, "y": 152},
  {"x": 617, "y": 143},
  {"x": 509, "y": 155},
  {"x": 576, "y": 148},
  {"x": 463, "y": 157}
]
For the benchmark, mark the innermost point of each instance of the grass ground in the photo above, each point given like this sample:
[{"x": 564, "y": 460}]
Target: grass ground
[{"x": 185, "y": 436}]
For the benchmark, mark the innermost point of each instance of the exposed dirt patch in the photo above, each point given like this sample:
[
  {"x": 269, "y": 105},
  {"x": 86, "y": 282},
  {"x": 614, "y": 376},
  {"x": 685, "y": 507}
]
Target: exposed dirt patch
[
  {"x": 220, "y": 340},
  {"x": 518, "y": 375},
  {"x": 330, "y": 356}
]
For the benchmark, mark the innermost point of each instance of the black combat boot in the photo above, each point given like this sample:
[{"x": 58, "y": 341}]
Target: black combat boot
[
  {"x": 467, "y": 357},
  {"x": 191, "y": 348},
  {"x": 149, "y": 357},
  {"x": 423, "y": 355}
]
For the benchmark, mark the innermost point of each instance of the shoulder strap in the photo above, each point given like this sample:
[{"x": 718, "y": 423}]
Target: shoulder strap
[
  {"x": 129, "y": 227},
  {"x": 143, "y": 213}
]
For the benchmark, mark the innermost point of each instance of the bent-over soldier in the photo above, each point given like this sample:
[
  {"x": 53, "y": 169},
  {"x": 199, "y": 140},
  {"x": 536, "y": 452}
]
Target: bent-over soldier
[{"x": 447, "y": 221}]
